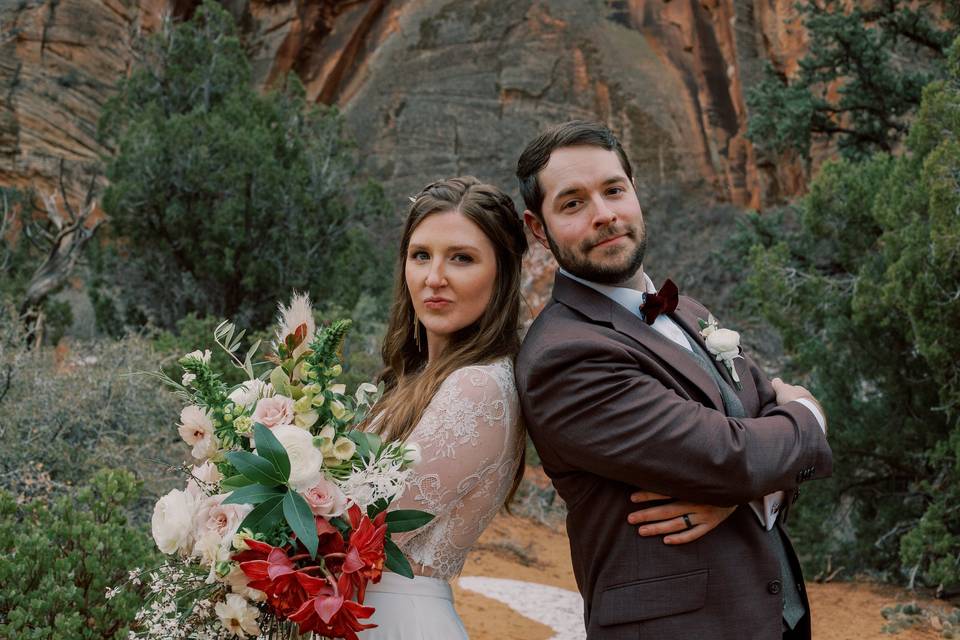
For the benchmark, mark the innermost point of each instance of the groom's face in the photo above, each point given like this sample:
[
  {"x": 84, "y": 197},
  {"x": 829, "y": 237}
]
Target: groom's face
[{"x": 592, "y": 221}]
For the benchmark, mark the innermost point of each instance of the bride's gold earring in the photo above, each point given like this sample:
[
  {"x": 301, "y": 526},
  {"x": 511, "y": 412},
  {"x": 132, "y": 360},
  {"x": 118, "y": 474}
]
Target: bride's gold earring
[{"x": 416, "y": 331}]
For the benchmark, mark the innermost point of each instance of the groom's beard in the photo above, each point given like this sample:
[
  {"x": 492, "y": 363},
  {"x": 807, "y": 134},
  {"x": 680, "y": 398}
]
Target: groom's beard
[{"x": 613, "y": 270}]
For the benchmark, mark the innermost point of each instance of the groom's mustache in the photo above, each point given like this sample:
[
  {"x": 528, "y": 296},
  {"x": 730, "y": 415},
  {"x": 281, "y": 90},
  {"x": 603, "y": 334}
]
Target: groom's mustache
[{"x": 608, "y": 234}]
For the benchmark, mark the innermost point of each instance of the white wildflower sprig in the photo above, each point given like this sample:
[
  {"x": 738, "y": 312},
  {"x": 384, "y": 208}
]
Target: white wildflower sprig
[{"x": 377, "y": 478}]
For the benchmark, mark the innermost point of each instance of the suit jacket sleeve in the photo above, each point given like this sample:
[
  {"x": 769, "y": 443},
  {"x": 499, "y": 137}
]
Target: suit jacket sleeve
[{"x": 590, "y": 405}]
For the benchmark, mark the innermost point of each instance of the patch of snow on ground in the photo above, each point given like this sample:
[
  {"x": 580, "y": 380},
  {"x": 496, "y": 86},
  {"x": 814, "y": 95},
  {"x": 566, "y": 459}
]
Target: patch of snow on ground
[{"x": 559, "y": 609}]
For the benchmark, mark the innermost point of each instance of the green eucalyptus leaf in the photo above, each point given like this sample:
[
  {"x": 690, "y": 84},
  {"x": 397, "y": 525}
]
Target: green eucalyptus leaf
[
  {"x": 269, "y": 448},
  {"x": 363, "y": 447},
  {"x": 253, "y": 494},
  {"x": 280, "y": 381},
  {"x": 395, "y": 560},
  {"x": 301, "y": 521},
  {"x": 407, "y": 520},
  {"x": 265, "y": 516},
  {"x": 256, "y": 468},
  {"x": 235, "y": 482},
  {"x": 374, "y": 509},
  {"x": 341, "y": 524}
]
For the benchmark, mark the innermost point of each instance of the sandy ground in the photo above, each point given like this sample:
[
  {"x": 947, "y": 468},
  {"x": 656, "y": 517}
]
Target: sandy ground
[{"x": 520, "y": 549}]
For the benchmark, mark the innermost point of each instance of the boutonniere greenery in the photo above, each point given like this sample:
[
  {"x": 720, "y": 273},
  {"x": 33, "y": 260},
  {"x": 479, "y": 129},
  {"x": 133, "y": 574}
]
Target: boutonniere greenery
[{"x": 723, "y": 344}]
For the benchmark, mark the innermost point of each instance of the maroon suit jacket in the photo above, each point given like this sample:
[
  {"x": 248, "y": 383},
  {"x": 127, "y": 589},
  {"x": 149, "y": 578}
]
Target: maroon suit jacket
[{"x": 613, "y": 406}]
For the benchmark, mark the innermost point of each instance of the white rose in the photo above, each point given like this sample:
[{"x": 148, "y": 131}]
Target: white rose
[
  {"x": 723, "y": 341},
  {"x": 305, "y": 459},
  {"x": 172, "y": 524},
  {"x": 237, "y": 616},
  {"x": 249, "y": 392}
]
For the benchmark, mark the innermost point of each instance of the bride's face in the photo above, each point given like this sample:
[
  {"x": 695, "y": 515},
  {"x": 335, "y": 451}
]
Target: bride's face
[{"x": 451, "y": 270}]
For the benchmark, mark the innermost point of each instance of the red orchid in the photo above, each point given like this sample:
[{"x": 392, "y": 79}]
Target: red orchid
[
  {"x": 365, "y": 555},
  {"x": 330, "y": 613}
]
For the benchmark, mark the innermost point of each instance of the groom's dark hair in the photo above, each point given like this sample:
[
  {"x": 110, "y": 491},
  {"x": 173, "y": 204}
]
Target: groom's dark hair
[{"x": 569, "y": 134}]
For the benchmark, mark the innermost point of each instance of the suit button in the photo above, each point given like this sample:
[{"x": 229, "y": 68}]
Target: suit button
[{"x": 774, "y": 587}]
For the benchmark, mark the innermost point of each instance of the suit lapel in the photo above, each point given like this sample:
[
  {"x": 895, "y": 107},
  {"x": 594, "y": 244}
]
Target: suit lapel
[
  {"x": 599, "y": 308},
  {"x": 687, "y": 319}
]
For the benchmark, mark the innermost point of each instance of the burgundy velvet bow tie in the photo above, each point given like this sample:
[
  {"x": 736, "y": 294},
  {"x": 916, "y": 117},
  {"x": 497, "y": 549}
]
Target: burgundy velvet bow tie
[{"x": 663, "y": 301}]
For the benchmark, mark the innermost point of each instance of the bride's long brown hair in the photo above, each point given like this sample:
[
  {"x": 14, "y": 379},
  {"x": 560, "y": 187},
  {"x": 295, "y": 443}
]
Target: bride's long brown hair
[{"x": 411, "y": 381}]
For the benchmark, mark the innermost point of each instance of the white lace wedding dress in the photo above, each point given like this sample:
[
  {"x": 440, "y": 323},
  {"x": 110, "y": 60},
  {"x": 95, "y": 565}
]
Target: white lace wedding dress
[{"x": 471, "y": 445}]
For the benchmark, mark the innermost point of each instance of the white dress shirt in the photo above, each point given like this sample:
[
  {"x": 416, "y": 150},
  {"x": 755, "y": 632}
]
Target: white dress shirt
[{"x": 767, "y": 508}]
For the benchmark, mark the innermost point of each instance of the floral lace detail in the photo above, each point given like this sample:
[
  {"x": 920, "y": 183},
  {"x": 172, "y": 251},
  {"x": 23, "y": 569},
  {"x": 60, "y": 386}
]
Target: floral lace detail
[{"x": 471, "y": 445}]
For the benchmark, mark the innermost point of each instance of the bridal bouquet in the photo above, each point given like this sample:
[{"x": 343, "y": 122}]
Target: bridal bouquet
[{"x": 283, "y": 522}]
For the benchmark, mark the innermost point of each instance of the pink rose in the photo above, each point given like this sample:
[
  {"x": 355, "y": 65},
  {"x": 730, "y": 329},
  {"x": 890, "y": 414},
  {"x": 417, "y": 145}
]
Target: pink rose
[
  {"x": 274, "y": 411},
  {"x": 326, "y": 499}
]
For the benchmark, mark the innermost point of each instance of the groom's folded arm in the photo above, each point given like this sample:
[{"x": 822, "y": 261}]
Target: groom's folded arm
[{"x": 597, "y": 409}]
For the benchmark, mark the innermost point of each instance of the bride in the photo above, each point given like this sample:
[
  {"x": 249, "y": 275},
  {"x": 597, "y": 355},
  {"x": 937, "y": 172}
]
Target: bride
[
  {"x": 449, "y": 387},
  {"x": 448, "y": 352}
]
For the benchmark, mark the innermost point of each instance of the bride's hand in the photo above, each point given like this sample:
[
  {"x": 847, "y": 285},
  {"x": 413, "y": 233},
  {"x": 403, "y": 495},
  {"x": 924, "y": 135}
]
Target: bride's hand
[{"x": 667, "y": 520}]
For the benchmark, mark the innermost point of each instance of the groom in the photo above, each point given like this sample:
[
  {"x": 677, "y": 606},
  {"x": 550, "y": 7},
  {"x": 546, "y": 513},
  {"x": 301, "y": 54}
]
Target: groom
[{"x": 620, "y": 393}]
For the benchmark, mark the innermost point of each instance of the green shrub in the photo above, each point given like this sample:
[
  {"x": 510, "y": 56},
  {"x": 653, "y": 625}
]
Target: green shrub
[
  {"x": 222, "y": 199},
  {"x": 866, "y": 294},
  {"x": 57, "y": 562},
  {"x": 64, "y": 413}
]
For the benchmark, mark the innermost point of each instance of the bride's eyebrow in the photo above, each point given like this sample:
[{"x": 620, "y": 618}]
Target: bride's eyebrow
[{"x": 453, "y": 248}]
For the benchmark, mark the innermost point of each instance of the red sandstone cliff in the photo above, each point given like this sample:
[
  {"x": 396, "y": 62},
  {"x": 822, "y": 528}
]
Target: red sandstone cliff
[
  {"x": 467, "y": 79},
  {"x": 432, "y": 88}
]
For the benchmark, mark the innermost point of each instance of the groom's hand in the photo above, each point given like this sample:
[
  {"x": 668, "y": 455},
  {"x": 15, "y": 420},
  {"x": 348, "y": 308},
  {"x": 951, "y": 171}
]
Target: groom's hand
[
  {"x": 790, "y": 392},
  {"x": 668, "y": 519}
]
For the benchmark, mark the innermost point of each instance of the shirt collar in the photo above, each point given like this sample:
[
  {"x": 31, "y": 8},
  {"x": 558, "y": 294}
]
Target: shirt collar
[{"x": 629, "y": 299}]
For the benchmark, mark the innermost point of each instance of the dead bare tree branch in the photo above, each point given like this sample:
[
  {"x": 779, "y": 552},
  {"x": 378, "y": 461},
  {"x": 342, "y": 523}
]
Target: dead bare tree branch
[{"x": 64, "y": 244}]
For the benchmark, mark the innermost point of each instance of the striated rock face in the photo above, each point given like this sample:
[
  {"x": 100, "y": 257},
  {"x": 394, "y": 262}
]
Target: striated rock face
[{"x": 434, "y": 88}]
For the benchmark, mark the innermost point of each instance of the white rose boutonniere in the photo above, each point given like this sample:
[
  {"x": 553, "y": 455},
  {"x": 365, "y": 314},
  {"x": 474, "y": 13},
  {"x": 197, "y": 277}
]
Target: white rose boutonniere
[{"x": 723, "y": 344}]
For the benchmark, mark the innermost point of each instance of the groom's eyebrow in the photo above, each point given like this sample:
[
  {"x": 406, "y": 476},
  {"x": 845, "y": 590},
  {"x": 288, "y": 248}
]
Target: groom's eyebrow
[
  {"x": 567, "y": 192},
  {"x": 577, "y": 189}
]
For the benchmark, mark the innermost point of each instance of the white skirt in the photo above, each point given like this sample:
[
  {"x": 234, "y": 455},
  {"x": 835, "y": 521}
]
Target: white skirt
[{"x": 417, "y": 609}]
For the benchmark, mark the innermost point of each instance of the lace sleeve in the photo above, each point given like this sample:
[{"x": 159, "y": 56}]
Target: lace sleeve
[{"x": 470, "y": 450}]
